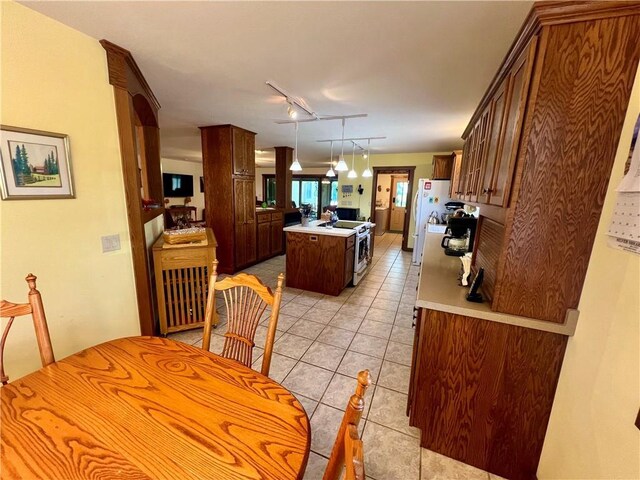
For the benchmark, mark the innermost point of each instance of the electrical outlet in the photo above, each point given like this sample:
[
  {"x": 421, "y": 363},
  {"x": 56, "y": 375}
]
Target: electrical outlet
[{"x": 110, "y": 243}]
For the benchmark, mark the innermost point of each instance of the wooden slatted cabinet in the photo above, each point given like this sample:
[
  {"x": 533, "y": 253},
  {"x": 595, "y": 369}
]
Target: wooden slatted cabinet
[{"x": 182, "y": 278}]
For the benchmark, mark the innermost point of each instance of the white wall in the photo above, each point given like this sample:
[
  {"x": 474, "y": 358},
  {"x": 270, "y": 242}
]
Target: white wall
[
  {"x": 383, "y": 194},
  {"x": 55, "y": 79},
  {"x": 591, "y": 433},
  {"x": 186, "y": 167}
]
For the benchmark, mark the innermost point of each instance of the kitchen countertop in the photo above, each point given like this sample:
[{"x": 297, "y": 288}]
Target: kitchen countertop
[
  {"x": 314, "y": 229},
  {"x": 438, "y": 289}
]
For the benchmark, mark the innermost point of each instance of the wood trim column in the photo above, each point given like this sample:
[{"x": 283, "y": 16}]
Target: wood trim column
[
  {"x": 284, "y": 159},
  {"x": 129, "y": 86}
]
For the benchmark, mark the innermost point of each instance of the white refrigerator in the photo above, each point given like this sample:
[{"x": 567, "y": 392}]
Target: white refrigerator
[{"x": 431, "y": 196}]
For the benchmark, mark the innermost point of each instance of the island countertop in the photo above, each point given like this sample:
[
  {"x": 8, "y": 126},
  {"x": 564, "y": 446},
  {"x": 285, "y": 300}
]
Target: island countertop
[
  {"x": 438, "y": 289},
  {"x": 314, "y": 229}
]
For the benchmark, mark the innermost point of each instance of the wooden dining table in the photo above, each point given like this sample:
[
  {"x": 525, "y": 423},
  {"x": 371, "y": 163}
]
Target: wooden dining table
[{"x": 149, "y": 407}]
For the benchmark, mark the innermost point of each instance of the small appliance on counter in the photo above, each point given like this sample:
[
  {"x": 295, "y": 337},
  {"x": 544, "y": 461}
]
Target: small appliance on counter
[{"x": 459, "y": 236}]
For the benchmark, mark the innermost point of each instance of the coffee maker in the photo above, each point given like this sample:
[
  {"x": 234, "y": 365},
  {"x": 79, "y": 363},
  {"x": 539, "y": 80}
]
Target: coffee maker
[{"x": 459, "y": 235}]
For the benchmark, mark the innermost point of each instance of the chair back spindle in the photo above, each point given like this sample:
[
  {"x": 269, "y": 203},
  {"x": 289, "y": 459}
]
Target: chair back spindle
[
  {"x": 347, "y": 449},
  {"x": 246, "y": 298},
  {"x": 35, "y": 308}
]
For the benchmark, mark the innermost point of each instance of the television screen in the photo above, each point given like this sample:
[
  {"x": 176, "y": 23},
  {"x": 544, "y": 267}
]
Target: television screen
[{"x": 176, "y": 185}]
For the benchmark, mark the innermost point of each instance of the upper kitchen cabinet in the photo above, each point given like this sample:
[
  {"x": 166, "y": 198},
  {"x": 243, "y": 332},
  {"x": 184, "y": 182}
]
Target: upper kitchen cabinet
[
  {"x": 244, "y": 143},
  {"x": 497, "y": 191},
  {"x": 228, "y": 164},
  {"x": 539, "y": 150},
  {"x": 455, "y": 173},
  {"x": 442, "y": 167}
]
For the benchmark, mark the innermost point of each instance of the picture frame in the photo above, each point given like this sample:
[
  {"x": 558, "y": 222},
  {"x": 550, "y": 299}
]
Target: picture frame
[{"x": 34, "y": 164}]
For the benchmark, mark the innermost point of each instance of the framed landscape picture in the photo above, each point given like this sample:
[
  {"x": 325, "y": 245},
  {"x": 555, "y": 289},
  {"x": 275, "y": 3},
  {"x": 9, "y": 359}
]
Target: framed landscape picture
[{"x": 34, "y": 164}]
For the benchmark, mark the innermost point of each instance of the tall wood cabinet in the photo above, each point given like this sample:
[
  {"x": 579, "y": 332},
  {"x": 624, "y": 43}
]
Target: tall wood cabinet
[
  {"x": 228, "y": 160},
  {"x": 537, "y": 159},
  {"x": 539, "y": 149}
]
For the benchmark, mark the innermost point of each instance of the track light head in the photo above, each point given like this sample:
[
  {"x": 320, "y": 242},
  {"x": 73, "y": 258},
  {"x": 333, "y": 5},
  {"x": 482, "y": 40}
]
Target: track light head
[{"x": 291, "y": 111}]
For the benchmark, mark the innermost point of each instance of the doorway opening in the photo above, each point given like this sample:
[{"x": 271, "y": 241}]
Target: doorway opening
[{"x": 391, "y": 200}]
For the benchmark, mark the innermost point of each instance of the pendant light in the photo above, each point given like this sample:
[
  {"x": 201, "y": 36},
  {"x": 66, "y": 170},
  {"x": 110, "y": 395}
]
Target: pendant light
[
  {"x": 342, "y": 165},
  {"x": 330, "y": 172},
  {"x": 352, "y": 173},
  {"x": 367, "y": 171},
  {"x": 295, "y": 166}
]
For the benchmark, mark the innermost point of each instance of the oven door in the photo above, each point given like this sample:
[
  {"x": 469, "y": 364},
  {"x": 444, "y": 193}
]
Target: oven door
[{"x": 362, "y": 256}]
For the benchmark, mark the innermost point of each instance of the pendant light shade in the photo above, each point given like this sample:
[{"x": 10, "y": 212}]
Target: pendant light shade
[
  {"x": 367, "y": 171},
  {"x": 295, "y": 166},
  {"x": 352, "y": 173},
  {"x": 342, "y": 165},
  {"x": 330, "y": 173}
]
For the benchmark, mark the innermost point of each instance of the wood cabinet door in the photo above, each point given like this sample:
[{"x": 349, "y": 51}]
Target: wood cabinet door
[
  {"x": 455, "y": 174},
  {"x": 442, "y": 167},
  {"x": 276, "y": 237},
  {"x": 460, "y": 185},
  {"x": 494, "y": 138},
  {"x": 239, "y": 210},
  {"x": 477, "y": 161},
  {"x": 239, "y": 152},
  {"x": 518, "y": 91},
  {"x": 264, "y": 240},
  {"x": 249, "y": 153},
  {"x": 250, "y": 220}
]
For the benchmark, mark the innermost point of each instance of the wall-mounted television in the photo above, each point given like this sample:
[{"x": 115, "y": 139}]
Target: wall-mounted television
[{"x": 177, "y": 185}]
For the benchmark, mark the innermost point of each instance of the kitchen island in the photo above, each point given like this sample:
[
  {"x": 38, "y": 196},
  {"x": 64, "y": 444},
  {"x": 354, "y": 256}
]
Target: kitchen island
[{"x": 320, "y": 259}]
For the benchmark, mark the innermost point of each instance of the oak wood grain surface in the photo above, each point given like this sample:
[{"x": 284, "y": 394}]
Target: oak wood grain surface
[
  {"x": 482, "y": 391},
  {"x": 148, "y": 407}
]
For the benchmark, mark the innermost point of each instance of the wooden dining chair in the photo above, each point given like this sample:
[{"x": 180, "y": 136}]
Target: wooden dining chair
[
  {"x": 35, "y": 308},
  {"x": 246, "y": 299},
  {"x": 348, "y": 450}
]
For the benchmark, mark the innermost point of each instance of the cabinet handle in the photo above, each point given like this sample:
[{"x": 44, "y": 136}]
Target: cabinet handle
[
  {"x": 487, "y": 190},
  {"x": 313, "y": 238}
]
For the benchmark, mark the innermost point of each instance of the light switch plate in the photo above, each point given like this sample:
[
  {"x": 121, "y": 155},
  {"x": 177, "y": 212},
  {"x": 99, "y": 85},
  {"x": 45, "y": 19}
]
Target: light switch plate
[{"x": 110, "y": 243}]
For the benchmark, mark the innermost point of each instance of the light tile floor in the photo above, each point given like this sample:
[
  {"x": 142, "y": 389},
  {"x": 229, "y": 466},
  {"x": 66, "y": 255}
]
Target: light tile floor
[{"x": 323, "y": 342}]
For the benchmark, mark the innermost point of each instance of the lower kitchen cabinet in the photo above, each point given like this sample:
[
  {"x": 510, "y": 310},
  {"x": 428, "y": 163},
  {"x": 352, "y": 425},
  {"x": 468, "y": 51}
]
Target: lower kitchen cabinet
[
  {"x": 481, "y": 391},
  {"x": 269, "y": 234},
  {"x": 320, "y": 263}
]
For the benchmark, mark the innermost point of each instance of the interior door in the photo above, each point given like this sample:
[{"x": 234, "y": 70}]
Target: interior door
[{"x": 399, "y": 188}]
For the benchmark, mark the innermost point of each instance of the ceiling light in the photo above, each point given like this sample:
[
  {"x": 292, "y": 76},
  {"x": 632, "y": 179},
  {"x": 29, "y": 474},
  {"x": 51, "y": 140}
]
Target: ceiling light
[
  {"x": 295, "y": 166},
  {"x": 326, "y": 182},
  {"x": 342, "y": 165},
  {"x": 352, "y": 173},
  {"x": 291, "y": 111},
  {"x": 367, "y": 171},
  {"x": 330, "y": 172}
]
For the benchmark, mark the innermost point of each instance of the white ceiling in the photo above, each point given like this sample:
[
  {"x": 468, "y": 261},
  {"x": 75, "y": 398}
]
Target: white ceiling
[{"x": 417, "y": 68}]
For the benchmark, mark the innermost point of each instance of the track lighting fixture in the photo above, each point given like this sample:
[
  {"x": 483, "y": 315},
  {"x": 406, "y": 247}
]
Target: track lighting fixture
[
  {"x": 330, "y": 172},
  {"x": 291, "y": 111},
  {"x": 367, "y": 171},
  {"x": 352, "y": 173},
  {"x": 295, "y": 166},
  {"x": 342, "y": 165}
]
